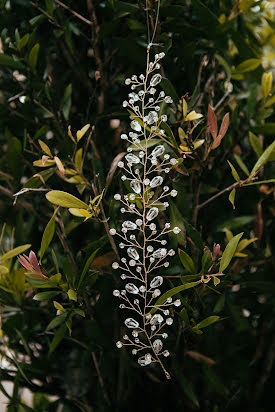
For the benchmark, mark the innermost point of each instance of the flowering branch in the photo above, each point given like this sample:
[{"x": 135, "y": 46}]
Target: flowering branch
[{"x": 144, "y": 243}]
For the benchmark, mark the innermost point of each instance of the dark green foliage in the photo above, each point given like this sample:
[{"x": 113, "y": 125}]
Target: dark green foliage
[{"x": 60, "y": 69}]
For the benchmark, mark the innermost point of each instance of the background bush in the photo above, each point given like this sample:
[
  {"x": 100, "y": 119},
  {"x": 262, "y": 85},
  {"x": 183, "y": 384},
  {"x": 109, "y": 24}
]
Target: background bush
[{"x": 65, "y": 64}]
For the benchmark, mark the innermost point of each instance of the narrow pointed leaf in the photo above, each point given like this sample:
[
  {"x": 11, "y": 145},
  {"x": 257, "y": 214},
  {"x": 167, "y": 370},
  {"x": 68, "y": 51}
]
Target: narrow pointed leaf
[
  {"x": 263, "y": 158},
  {"x": 212, "y": 122},
  {"x": 187, "y": 261},
  {"x": 206, "y": 322},
  {"x": 14, "y": 252},
  {"x": 229, "y": 252},
  {"x": 48, "y": 235},
  {"x": 173, "y": 292}
]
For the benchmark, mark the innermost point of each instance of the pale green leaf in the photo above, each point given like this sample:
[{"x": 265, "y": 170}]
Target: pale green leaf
[
  {"x": 248, "y": 65},
  {"x": 72, "y": 295},
  {"x": 64, "y": 199},
  {"x": 263, "y": 158},
  {"x": 49, "y": 295},
  {"x": 229, "y": 252},
  {"x": 241, "y": 164},
  {"x": 234, "y": 172},
  {"x": 255, "y": 143},
  {"x": 14, "y": 252},
  {"x": 231, "y": 197}
]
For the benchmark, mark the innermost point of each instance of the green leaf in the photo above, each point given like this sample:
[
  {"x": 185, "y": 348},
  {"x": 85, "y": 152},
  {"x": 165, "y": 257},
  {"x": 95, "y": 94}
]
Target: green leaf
[
  {"x": 216, "y": 280},
  {"x": 260, "y": 182},
  {"x": 266, "y": 128},
  {"x": 33, "y": 56},
  {"x": 48, "y": 235},
  {"x": 24, "y": 41},
  {"x": 173, "y": 292},
  {"x": 177, "y": 220},
  {"x": 86, "y": 267},
  {"x": 241, "y": 164},
  {"x": 49, "y": 295},
  {"x": 64, "y": 199},
  {"x": 255, "y": 143},
  {"x": 59, "y": 335},
  {"x": 6, "y": 60},
  {"x": 206, "y": 322},
  {"x": 169, "y": 133},
  {"x": 57, "y": 321},
  {"x": 235, "y": 223},
  {"x": 229, "y": 252},
  {"x": 169, "y": 89},
  {"x": 66, "y": 101},
  {"x": 72, "y": 295},
  {"x": 234, "y": 172},
  {"x": 142, "y": 144},
  {"x": 14, "y": 252},
  {"x": 187, "y": 261},
  {"x": 79, "y": 312},
  {"x": 39, "y": 179},
  {"x": 188, "y": 389},
  {"x": 49, "y": 7},
  {"x": 206, "y": 261},
  {"x": 224, "y": 64},
  {"x": 248, "y": 65},
  {"x": 194, "y": 235},
  {"x": 263, "y": 158},
  {"x": 231, "y": 197}
]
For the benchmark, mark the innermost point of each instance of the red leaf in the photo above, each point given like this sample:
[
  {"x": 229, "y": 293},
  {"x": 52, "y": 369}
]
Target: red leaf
[
  {"x": 224, "y": 126},
  {"x": 212, "y": 122},
  {"x": 217, "y": 142}
]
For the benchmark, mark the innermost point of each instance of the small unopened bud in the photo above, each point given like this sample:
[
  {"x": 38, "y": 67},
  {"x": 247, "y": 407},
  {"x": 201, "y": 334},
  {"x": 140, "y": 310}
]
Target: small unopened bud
[{"x": 216, "y": 250}]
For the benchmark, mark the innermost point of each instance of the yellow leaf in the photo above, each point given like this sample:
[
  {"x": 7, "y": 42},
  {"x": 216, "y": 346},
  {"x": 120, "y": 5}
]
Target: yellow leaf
[
  {"x": 78, "y": 159},
  {"x": 266, "y": 84},
  {"x": 80, "y": 212},
  {"x": 81, "y": 133},
  {"x": 44, "y": 162},
  {"x": 270, "y": 102},
  {"x": 193, "y": 116},
  {"x": 45, "y": 148},
  {"x": 184, "y": 108},
  {"x": 222, "y": 18},
  {"x": 70, "y": 134},
  {"x": 59, "y": 165},
  {"x": 184, "y": 148},
  {"x": 198, "y": 143},
  {"x": 58, "y": 306},
  {"x": 182, "y": 134}
]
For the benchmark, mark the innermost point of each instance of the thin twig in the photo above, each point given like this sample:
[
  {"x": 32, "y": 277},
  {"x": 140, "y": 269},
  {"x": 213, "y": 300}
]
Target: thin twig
[
  {"x": 101, "y": 382},
  {"x": 52, "y": 20},
  {"x": 73, "y": 12}
]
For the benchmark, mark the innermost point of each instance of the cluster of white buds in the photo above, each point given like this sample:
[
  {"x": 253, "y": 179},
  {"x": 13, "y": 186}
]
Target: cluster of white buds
[{"x": 145, "y": 244}]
